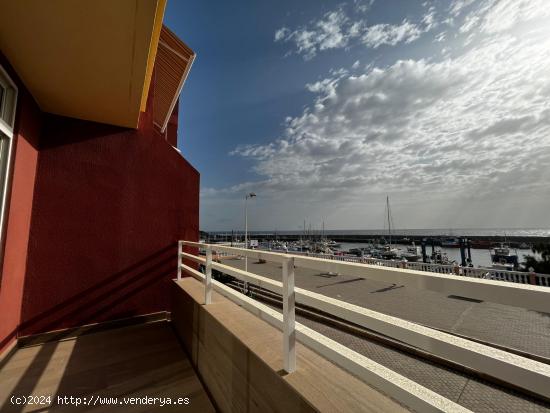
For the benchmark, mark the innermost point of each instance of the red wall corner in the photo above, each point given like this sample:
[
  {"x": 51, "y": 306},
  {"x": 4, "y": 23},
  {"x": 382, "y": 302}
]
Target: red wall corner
[
  {"x": 19, "y": 209},
  {"x": 110, "y": 205},
  {"x": 94, "y": 218}
]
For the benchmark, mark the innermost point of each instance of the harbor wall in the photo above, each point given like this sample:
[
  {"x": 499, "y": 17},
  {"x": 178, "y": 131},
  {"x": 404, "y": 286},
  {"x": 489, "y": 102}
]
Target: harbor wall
[{"x": 396, "y": 237}]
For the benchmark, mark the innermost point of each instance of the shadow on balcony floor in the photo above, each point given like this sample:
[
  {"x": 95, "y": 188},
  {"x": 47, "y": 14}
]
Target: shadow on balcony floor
[{"x": 131, "y": 362}]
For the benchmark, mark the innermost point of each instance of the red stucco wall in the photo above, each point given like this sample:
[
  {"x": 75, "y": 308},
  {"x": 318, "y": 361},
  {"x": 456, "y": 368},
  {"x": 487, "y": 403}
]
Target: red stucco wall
[
  {"x": 172, "y": 126},
  {"x": 19, "y": 207},
  {"x": 108, "y": 206}
]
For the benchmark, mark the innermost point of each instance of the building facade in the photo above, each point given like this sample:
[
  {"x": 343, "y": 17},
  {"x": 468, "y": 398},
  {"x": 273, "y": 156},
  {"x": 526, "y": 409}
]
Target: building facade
[{"x": 95, "y": 193}]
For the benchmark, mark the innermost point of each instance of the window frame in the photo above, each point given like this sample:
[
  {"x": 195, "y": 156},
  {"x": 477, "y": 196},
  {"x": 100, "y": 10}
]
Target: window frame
[{"x": 8, "y": 106}]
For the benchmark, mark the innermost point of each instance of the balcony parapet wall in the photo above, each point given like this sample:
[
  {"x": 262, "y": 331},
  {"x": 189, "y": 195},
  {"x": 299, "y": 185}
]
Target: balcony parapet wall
[{"x": 238, "y": 356}]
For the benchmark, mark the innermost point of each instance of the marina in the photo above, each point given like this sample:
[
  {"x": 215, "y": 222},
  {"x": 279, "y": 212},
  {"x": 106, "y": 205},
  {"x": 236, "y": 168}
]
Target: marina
[
  {"x": 493, "y": 249},
  {"x": 497, "y": 249},
  {"x": 479, "y": 238},
  {"x": 480, "y": 256},
  {"x": 481, "y": 252}
]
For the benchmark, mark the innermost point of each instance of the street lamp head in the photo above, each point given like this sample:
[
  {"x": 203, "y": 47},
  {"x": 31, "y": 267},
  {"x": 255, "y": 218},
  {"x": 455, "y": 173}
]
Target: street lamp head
[{"x": 251, "y": 195}]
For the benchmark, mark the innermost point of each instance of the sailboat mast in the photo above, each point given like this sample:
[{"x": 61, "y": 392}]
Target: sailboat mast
[{"x": 389, "y": 220}]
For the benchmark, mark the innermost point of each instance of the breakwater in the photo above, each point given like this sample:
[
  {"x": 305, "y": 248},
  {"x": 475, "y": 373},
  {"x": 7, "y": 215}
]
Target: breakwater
[{"x": 481, "y": 240}]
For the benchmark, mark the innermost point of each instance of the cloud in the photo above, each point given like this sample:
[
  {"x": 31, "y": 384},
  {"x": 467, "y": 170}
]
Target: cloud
[
  {"x": 457, "y": 6},
  {"x": 464, "y": 135},
  {"x": 429, "y": 20},
  {"x": 477, "y": 120},
  {"x": 440, "y": 37},
  {"x": 505, "y": 14},
  {"x": 363, "y": 5},
  {"x": 469, "y": 23},
  {"x": 336, "y": 30},
  {"x": 281, "y": 34},
  {"x": 380, "y": 34}
]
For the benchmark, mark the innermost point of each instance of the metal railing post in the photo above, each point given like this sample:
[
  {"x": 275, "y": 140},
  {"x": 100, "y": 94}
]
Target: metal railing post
[
  {"x": 208, "y": 276},
  {"x": 289, "y": 317},
  {"x": 180, "y": 256},
  {"x": 532, "y": 278},
  {"x": 456, "y": 269}
]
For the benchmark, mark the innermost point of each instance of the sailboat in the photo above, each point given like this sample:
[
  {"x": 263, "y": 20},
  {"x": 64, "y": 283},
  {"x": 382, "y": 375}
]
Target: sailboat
[
  {"x": 388, "y": 252},
  {"x": 413, "y": 253}
]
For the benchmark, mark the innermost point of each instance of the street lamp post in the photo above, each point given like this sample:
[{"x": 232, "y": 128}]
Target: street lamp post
[{"x": 250, "y": 195}]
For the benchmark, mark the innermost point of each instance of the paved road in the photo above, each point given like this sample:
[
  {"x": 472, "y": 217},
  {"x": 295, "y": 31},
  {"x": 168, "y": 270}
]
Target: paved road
[
  {"x": 525, "y": 330},
  {"x": 508, "y": 326}
]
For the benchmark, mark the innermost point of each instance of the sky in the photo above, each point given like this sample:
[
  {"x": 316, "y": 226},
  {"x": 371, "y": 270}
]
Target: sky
[{"x": 324, "y": 108}]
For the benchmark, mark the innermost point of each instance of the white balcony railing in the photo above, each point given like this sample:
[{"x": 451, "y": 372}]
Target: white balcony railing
[
  {"x": 519, "y": 277},
  {"x": 525, "y": 373}
]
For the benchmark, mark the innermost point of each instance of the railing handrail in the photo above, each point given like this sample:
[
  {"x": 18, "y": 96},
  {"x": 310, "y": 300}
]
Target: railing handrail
[
  {"x": 506, "y": 366},
  {"x": 366, "y": 318},
  {"x": 531, "y": 297},
  {"x": 517, "y": 370},
  {"x": 412, "y": 264},
  {"x": 354, "y": 258},
  {"x": 403, "y": 389},
  {"x": 289, "y": 317}
]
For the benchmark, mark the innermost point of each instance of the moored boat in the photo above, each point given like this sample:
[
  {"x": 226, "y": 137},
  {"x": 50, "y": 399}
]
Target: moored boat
[
  {"x": 412, "y": 254},
  {"x": 450, "y": 242},
  {"x": 389, "y": 253},
  {"x": 503, "y": 259}
]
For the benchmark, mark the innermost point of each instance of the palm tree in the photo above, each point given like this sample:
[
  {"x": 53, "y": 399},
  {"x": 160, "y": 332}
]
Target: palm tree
[{"x": 540, "y": 265}]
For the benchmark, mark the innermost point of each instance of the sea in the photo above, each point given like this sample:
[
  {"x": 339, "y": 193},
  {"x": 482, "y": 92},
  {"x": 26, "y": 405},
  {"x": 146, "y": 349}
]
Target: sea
[{"x": 462, "y": 232}]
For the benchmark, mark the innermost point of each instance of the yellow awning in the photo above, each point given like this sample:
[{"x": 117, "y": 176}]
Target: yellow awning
[{"x": 89, "y": 60}]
